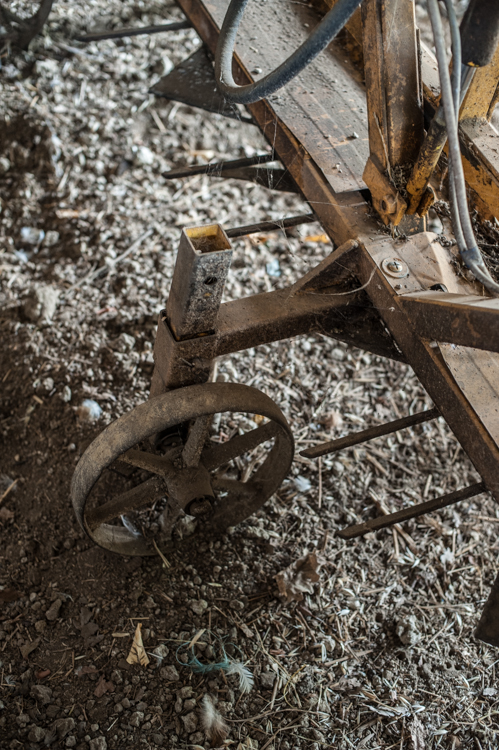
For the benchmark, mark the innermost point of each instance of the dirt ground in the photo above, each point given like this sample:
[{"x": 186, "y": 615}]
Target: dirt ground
[{"x": 379, "y": 652}]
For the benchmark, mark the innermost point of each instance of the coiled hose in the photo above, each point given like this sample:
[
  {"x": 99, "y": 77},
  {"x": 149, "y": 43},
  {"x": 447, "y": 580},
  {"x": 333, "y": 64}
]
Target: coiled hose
[{"x": 318, "y": 40}]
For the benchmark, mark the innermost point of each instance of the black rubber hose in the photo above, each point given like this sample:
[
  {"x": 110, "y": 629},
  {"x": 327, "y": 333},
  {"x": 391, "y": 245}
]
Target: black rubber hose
[
  {"x": 318, "y": 40},
  {"x": 480, "y": 32}
]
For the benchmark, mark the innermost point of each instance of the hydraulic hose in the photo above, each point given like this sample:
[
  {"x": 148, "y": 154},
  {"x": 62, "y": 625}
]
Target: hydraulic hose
[
  {"x": 318, "y": 40},
  {"x": 459, "y": 205}
]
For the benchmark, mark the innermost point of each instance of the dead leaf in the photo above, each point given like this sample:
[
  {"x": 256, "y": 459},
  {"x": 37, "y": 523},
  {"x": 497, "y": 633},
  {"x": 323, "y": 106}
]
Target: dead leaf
[
  {"x": 318, "y": 238},
  {"x": 29, "y": 647},
  {"x": 418, "y": 734},
  {"x": 6, "y": 514},
  {"x": 9, "y": 595},
  {"x": 298, "y": 578},
  {"x": 103, "y": 687},
  {"x": 137, "y": 653}
]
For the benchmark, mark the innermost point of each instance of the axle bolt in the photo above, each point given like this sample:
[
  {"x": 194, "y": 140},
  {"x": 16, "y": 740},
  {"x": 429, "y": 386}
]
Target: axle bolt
[{"x": 395, "y": 267}]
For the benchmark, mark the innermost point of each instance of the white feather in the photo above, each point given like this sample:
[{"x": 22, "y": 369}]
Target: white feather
[
  {"x": 213, "y": 724},
  {"x": 245, "y": 675}
]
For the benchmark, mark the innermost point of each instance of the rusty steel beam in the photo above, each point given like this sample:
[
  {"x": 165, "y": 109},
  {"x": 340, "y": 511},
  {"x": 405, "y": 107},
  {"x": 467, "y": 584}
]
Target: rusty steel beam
[{"x": 461, "y": 319}]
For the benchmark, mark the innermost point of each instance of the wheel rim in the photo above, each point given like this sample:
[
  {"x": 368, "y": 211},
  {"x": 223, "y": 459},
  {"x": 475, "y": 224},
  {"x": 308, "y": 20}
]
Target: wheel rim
[{"x": 165, "y": 412}]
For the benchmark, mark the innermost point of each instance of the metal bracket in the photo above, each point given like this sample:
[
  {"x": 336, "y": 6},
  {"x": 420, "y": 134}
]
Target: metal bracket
[{"x": 192, "y": 82}]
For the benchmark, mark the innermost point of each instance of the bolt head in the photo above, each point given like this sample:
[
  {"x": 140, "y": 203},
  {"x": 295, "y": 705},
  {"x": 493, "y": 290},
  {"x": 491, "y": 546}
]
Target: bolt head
[{"x": 394, "y": 265}]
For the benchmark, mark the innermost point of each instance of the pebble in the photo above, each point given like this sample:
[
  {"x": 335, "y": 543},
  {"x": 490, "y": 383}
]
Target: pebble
[
  {"x": 190, "y": 722},
  {"x": 89, "y": 410},
  {"x": 338, "y": 354},
  {"x": 302, "y": 484},
  {"x": 136, "y": 718},
  {"x": 267, "y": 679},
  {"x": 124, "y": 343},
  {"x": 31, "y": 235},
  {"x": 64, "y": 727},
  {"x": 145, "y": 156},
  {"x": 408, "y": 631},
  {"x": 66, "y": 395},
  {"x": 168, "y": 673},
  {"x": 36, "y": 734},
  {"x": 98, "y": 743},
  {"x": 52, "y": 612},
  {"x": 41, "y": 693},
  {"x": 51, "y": 238},
  {"x": 41, "y": 304},
  {"x": 198, "y": 606}
]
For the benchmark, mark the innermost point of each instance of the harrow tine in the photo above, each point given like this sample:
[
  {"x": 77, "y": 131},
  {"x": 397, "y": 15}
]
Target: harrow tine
[
  {"x": 218, "y": 168},
  {"x": 373, "y": 432},
  {"x": 99, "y": 36},
  {"x": 270, "y": 226},
  {"x": 381, "y": 522}
]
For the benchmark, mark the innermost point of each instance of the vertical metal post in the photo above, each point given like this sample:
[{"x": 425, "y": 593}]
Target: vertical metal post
[
  {"x": 203, "y": 262},
  {"x": 395, "y": 112}
]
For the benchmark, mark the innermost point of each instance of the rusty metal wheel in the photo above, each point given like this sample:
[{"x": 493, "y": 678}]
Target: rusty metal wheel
[{"x": 202, "y": 485}]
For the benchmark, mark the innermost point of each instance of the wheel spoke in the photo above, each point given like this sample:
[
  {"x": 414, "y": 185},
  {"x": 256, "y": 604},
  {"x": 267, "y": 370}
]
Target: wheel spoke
[
  {"x": 218, "y": 455},
  {"x": 196, "y": 440},
  {"x": 233, "y": 486},
  {"x": 148, "y": 461},
  {"x": 139, "y": 496}
]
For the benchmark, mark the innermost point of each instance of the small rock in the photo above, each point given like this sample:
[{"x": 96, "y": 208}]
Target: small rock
[
  {"x": 198, "y": 606},
  {"x": 70, "y": 741},
  {"x": 64, "y": 727},
  {"x": 144, "y": 156},
  {"x": 185, "y": 692},
  {"x": 51, "y": 238},
  {"x": 41, "y": 304},
  {"x": 136, "y": 718},
  {"x": 53, "y": 612},
  {"x": 267, "y": 679},
  {"x": 236, "y": 604},
  {"x": 40, "y": 626},
  {"x": 4, "y": 165},
  {"x": 189, "y": 705},
  {"x": 302, "y": 484},
  {"x": 489, "y": 691},
  {"x": 22, "y": 720},
  {"x": 273, "y": 268},
  {"x": 98, "y": 743},
  {"x": 124, "y": 343},
  {"x": 408, "y": 632},
  {"x": 36, "y": 734},
  {"x": 41, "y": 693},
  {"x": 190, "y": 722},
  {"x": 66, "y": 395},
  {"x": 158, "y": 739},
  {"x": 44, "y": 387},
  {"x": 338, "y": 354},
  {"x": 169, "y": 673},
  {"x": 89, "y": 411},
  {"x": 31, "y": 235}
]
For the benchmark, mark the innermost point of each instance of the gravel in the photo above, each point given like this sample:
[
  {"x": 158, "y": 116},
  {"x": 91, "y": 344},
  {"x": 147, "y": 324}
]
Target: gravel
[{"x": 381, "y": 654}]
